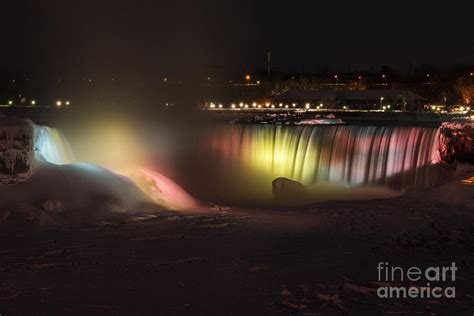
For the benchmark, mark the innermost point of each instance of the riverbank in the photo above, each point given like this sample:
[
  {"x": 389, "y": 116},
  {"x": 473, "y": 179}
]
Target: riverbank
[
  {"x": 352, "y": 117},
  {"x": 308, "y": 260}
]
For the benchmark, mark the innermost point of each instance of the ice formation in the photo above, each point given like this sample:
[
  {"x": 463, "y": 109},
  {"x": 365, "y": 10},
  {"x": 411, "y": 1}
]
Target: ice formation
[
  {"x": 16, "y": 150},
  {"x": 166, "y": 192},
  {"x": 75, "y": 187}
]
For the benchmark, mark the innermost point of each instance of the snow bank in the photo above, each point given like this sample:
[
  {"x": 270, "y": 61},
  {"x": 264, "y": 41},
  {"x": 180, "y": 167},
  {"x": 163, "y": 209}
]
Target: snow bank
[
  {"x": 166, "y": 192},
  {"x": 76, "y": 187}
]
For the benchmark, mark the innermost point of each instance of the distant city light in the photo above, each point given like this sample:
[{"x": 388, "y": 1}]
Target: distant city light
[
  {"x": 258, "y": 81},
  {"x": 165, "y": 79},
  {"x": 280, "y": 104},
  {"x": 286, "y": 106},
  {"x": 247, "y": 77},
  {"x": 293, "y": 105},
  {"x": 59, "y": 103},
  {"x": 254, "y": 104},
  {"x": 246, "y": 106},
  {"x": 232, "y": 105},
  {"x": 220, "y": 106},
  {"x": 307, "y": 105},
  {"x": 321, "y": 105},
  {"x": 33, "y": 102},
  {"x": 10, "y": 102},
  {"x": 241, "y": 104}
]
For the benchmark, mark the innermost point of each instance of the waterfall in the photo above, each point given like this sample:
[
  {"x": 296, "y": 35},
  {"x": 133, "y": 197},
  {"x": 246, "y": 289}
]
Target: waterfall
[
  {"x": 396, "y": 157},
  {"x": 52, "y": 145}
]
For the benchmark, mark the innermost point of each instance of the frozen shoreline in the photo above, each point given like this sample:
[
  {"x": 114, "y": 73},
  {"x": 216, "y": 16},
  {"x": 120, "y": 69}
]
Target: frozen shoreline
[{"x": 248, "y": 260}]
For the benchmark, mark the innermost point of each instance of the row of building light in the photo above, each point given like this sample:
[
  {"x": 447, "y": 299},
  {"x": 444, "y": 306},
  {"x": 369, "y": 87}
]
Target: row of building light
[
  {"x": 58, "y": 103},
  {"x": 267, "y": 105},
  {"x": 256, "y": 105}
]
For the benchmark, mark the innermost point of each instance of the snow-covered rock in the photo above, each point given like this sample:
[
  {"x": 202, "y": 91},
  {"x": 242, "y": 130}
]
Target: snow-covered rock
[{"x": 55, "y": 188}]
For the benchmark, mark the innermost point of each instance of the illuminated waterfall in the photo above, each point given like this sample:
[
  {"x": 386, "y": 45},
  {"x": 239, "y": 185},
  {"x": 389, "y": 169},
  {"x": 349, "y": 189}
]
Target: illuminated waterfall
[
  {"x": 52, "y": 145},
  {"x": 353, "y": 156},
  {"x": 54, "y": 148}
]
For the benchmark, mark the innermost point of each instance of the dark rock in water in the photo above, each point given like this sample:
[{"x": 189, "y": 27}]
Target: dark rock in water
[{"x": 287, "y": 189}]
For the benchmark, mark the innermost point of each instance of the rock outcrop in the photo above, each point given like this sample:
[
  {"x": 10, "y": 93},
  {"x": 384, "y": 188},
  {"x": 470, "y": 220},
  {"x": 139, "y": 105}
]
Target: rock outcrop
[{"x": 16, "y": 150}]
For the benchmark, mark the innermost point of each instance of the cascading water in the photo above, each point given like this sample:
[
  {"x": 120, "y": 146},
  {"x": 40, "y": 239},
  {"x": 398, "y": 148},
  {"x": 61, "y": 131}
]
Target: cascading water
[
  {"x": 350, "y": 156},
  {"x": 52, "y": 145}
]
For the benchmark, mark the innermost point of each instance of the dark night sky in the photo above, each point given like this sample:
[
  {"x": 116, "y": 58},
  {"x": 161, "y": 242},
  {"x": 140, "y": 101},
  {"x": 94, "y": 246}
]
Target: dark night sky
[{"x": 177, "y": 38}]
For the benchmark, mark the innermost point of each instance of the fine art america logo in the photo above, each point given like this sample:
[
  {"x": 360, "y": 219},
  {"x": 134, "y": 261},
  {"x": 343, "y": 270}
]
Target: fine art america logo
[{"x": 433, "y": 281}]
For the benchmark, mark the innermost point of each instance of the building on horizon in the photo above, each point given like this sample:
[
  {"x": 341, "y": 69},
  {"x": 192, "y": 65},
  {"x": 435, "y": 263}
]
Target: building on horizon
[{"x": 365, "y": 99}]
